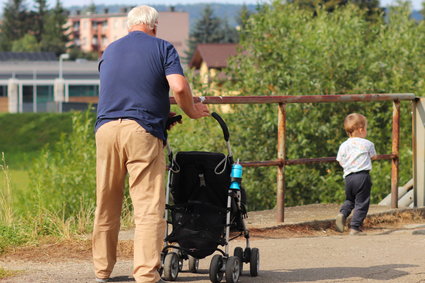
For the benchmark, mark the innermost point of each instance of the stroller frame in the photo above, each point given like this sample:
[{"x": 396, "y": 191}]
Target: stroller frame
[{"x": 173, "y": 256}]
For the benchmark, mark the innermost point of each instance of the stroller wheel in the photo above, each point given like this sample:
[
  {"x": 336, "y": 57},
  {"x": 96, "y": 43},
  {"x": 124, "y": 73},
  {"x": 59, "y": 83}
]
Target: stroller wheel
[
  {"x": 216, "y": 269},
  {"x": 193, "y": 264},
  {"x": 171, "y": 267},
  {"x": 254, "y": 262},
  {"x": 238, "y": 252},
  {"x": 232, "y": 269}
]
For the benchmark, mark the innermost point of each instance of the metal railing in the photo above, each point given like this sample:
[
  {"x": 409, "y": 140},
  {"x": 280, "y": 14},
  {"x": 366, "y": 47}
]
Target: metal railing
[{"x": 281, "y": 160}]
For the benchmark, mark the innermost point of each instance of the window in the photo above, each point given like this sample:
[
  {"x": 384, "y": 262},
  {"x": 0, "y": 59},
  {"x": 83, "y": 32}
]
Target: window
[
  {"x": 83, "y": 90},
  {"x": 94, "y": 25},
  {"x": 45, "y": 93},
  {"x": 45, "y": 98},
  {"x": 27, "y": 98},
  {"x": 42, "y": 94},
  {"x": 3, "y": 90}
]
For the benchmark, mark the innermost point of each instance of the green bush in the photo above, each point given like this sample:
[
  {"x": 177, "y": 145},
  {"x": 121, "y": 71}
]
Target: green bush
[
  {"x": 63, "y": 177},
  {"x": 11, "y": 236}
]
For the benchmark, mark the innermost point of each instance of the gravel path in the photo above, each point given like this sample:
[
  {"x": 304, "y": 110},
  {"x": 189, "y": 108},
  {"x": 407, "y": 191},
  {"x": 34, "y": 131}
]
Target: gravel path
[
  {"x": 387, "y": 256},
  {"x": 388, "y": 253}
]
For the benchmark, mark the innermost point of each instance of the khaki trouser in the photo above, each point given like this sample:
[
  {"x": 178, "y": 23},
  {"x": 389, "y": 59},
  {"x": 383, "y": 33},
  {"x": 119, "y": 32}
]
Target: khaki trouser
[{"x": 124, "y": 146}]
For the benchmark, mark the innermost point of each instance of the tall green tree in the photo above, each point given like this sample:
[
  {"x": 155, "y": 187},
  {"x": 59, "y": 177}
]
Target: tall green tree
[
  {"x": 243, "y": 16},
  {"x": 40, "y": 29},
  {"x": 209, "y": 29},
  {"x": 16, "y": 23},
  {"x": 40, "y": 17},
  {"x": 54, "y": 37}
]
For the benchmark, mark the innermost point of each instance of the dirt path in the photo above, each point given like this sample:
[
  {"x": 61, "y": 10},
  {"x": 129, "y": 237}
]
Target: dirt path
[{"x": 392, "y": 251}]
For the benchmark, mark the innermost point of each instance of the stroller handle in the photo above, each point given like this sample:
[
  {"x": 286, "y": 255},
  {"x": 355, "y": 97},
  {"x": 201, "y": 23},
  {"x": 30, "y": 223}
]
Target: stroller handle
[{"x": 222, "y": 124}]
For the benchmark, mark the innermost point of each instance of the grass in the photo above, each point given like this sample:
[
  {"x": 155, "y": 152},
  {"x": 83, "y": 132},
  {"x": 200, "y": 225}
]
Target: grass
[
  {"x": 6, "y": 273},
  {"x": 29, "y": 132},
  {"x": 20, "y": 160},
  {"x": 19, "y": 179},
  {"x": 58, "y": 200}
]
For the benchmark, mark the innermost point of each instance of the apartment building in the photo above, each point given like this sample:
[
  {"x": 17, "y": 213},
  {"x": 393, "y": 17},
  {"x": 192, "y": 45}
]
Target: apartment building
[{"x": 93, "y": 32}]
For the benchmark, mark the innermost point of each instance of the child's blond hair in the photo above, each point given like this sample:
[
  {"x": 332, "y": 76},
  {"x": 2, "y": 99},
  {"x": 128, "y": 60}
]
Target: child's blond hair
[{"x": 354, "y": 121}]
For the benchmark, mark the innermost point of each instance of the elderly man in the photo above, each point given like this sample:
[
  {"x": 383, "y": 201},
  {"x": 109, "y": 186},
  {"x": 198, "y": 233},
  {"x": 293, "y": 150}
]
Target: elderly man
[{"x": 136, "y": 73}]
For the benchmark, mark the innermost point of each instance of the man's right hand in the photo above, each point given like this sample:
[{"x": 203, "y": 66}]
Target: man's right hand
[
  {"x": 201, "y": 111},
  {"x": 183, "y": 95}
]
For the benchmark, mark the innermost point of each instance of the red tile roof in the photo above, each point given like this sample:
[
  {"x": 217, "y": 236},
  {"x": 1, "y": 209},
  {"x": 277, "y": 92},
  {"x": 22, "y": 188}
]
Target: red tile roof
[{"x": 215, "y": 55}]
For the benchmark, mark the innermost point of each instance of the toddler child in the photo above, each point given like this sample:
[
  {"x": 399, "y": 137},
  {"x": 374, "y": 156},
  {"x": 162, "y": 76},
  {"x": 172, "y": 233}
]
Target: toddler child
[{"x": 354, "y": 155}]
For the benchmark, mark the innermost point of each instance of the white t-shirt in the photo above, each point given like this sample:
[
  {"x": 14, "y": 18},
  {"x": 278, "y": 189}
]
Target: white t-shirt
[{"x": 355, "y": 154}]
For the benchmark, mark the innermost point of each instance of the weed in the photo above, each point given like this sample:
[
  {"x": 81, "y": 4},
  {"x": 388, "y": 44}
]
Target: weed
[
  {"x": 6, "y": 273},
  {"x": 6, "y": 211}
]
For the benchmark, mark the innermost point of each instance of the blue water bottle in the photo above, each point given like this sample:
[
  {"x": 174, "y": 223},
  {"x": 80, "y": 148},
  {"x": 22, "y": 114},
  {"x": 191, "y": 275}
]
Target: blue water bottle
[{"x": 236, "y": 176}]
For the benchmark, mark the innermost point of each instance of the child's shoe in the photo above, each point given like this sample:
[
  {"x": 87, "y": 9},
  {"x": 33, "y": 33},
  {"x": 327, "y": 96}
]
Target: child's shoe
[
  {"x": 102, "y": 280},
  {"x": 356, "y": 232},
  {"x": 340, "y": 222}
]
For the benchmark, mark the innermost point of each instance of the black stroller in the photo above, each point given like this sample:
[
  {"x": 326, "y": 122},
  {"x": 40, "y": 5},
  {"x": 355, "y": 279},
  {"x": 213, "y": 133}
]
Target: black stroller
[{"x": 208, "y": 205}]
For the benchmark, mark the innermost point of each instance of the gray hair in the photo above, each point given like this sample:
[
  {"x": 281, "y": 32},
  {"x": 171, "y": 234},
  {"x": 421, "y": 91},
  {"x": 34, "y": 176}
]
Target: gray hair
[{"x": 142, "y": 15}]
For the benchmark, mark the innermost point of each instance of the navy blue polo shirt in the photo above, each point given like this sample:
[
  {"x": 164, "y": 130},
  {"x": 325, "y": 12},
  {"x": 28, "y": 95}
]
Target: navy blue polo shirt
[{"x": 133, "y": 82}]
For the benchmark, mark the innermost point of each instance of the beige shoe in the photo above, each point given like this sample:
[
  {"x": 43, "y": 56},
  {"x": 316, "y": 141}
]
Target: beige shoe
[
  {"x": 340, "y": 222},
  {"x": 354, "y": 232}
]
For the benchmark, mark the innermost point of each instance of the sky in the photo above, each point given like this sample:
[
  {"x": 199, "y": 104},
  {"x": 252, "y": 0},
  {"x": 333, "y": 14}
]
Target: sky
[{"x": 416, "y": 4}]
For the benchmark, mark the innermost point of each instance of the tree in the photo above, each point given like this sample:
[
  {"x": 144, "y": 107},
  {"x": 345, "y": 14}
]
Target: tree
[
  {"x": 208, "y": 29},
  {"x": 40, "y": 18},
  {"x": 230, "y": 34},
  {"x": 16, "y": 23},
  {"x": 54, "y": 37},
  {"x": 243, "y": 16},
  {"x": 21, "y": 27},
  {"x": 27, "y": 43}
]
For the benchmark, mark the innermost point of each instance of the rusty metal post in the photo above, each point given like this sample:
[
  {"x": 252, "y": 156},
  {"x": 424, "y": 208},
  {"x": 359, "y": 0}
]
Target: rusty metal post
[
  {"x": 395, "y": 152},
  {"x": 281, "y": 155}
]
